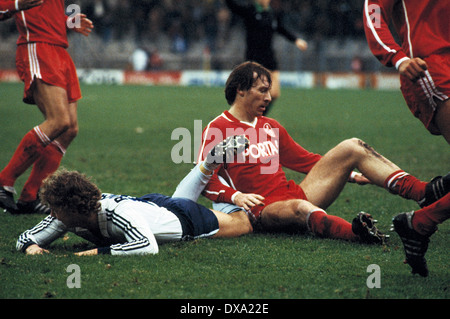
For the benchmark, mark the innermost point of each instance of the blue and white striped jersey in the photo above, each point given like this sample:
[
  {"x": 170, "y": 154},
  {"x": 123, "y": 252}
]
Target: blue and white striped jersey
[{"x": 128, "y": 225}]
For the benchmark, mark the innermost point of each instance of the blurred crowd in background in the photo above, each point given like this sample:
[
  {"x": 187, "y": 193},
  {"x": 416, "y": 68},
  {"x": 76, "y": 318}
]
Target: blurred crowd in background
[
  {"x": 168, "y": 29},
  {"x": 191, "y": 20}
]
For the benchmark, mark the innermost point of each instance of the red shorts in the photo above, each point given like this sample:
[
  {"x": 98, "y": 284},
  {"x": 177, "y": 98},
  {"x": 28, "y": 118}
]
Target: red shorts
[
  {"x": 292, "y": 191},
  {"x": 421, "y": 96},
  {"x": 50, "y": 63}
]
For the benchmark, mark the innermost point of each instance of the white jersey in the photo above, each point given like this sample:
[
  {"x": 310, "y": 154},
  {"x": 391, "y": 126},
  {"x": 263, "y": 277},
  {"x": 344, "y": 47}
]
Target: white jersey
[{"x": 128, "y": 225}]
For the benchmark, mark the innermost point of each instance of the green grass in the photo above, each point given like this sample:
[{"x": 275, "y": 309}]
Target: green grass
[{"x": 257, "y": 266}]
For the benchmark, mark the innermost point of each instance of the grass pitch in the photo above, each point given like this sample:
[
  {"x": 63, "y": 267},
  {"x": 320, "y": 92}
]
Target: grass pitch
[{"x": 125, "y": 143}]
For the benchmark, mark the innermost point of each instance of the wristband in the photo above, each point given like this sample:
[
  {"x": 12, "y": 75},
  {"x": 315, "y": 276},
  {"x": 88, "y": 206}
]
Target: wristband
[
  {"x": 234, "y": 195},
  {"x": 397, "y": 65}
]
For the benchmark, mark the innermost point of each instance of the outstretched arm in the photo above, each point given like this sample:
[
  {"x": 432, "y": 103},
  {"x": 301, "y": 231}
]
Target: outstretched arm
[{"x": 42, "y": 234}]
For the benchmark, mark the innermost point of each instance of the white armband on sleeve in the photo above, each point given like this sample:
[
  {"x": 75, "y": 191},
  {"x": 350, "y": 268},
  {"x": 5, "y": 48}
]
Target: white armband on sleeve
[
  {"x": 234, "y": 196},
  {"x": 397, "y": 65}
]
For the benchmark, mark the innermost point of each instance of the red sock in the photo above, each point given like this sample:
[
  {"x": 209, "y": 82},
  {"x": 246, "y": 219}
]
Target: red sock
[
  {"x": 329, "y": 226},
  {"x": 29, "y": 149},
  {"x": 43, "y": 167},
  {"x": 426, "y": 219},
  {"x": 405, "y": 185}
]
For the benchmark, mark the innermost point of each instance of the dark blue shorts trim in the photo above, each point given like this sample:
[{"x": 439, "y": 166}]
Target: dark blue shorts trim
[{"x": 196, "y": 220}]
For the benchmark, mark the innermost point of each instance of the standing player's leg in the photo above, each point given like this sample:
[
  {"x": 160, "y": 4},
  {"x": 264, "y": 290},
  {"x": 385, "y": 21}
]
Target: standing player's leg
[
  {"x": 442, "y": 119},
  {"x": 415, "y": 229},
  {"x": 61, "y": 127},
  {"x": 33, "y": 143}
]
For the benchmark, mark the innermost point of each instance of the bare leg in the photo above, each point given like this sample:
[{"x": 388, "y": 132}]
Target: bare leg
[
  {"x": 285, "y": 215},
  {"x": 60, "y": 127},
  {"x": 325, "y": 181},
  {"x": 233, "y": 225},
  {"x": 60, "y": 116},
  {"x": 442, "y": 119}
]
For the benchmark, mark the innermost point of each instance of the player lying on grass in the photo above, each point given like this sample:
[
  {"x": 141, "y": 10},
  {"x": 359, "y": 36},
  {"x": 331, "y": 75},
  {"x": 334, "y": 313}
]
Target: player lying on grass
[
  {"x": 128, "y": 225},
  {"x": 280, "y": 204},
  {"x": 125, "y": 225}
]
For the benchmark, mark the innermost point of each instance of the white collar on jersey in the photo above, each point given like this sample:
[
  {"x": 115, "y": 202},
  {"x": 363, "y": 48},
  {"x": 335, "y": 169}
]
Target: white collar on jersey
[{"x": 231, "y": 118}]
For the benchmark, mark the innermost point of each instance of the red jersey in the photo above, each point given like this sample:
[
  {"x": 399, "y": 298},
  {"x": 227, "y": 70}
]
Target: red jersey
[
  {"x": 422, "y": 25},
  {"x": 260, "y": 169},
  {"x": 8, "y": 6},
  {"x": 44, "y": 23}
]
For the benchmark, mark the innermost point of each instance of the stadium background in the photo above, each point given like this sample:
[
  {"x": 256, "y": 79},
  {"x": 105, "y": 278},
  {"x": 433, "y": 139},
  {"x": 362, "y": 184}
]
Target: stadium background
[{"x": 199, "y": 35}]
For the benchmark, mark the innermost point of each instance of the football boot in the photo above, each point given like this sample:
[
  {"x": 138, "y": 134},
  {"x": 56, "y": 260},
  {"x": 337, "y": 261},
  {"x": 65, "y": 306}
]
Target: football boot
[
  {"x": 415, "y": 245},
  {"x": 226, "y": 151},
  {"x": 7, "y": 200},
  {"x": 438, "y": 187},
  {"x": 363, "y": 225},
  {"x": 33, "y": 207}
]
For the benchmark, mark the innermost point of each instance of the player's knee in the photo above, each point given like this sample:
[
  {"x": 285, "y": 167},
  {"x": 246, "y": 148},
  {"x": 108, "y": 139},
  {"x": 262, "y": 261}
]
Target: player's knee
[
  {"x": 244, "y": 226},
  {"x": 351, "y": 147},
  {"x": 72, "y": 132},
  {"x": 300, "y": 209}
]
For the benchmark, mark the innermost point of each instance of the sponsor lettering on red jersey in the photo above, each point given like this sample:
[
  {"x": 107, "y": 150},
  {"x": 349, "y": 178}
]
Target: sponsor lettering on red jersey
[{"x": 259, "y": 170}]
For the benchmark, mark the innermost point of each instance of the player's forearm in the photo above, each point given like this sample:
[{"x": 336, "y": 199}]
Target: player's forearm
[
  {"x": 377, "y": 15},
  {"x": 222, "y": 194},
  {"x": 48, "y": 230},
  {"x": 91, "y": 252}
]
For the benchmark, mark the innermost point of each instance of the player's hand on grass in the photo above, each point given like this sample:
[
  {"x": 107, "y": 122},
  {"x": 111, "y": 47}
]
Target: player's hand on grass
[
  {"x": 35, "y": 250},
  {"x": 413, "y": 68},
  {"x": 248, "y": 201}
]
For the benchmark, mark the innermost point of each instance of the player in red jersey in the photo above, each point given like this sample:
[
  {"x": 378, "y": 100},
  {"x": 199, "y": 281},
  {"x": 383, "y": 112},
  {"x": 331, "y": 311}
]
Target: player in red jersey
[
  {"x": 256, "y": 181},
  {"x": 51, "y": 83},
  {"x": 8, "y": 7},
  {"x": 423, "y": 57},
  {"x": 423, "y": 61}
]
